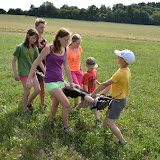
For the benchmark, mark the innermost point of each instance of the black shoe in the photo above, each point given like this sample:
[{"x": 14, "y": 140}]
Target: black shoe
[
  {"x": 26, "y": 114},
  {"x": 44, "y": 106},
  {"x": 30, "y": 107},
  {"x": 98, "y": 121}
]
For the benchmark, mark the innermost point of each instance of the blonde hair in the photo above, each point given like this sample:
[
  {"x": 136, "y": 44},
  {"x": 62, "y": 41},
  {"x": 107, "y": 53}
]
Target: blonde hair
[
  {"x": 75, "y": 38},
  {"x": 39, "y": 20}
]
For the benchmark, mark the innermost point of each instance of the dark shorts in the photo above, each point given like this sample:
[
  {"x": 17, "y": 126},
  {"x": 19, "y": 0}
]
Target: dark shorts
[
  {"x": 116, "y": 108},
  {"x": 40, "y": 78}
]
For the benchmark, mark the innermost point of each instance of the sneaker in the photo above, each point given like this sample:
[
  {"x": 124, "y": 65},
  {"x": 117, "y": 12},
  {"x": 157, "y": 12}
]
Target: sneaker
[
  {"x": 26, "y": 114},
  {"x": 43, "y": 107},
  {"x": 53, "y": 124},
  {"x": 98, "y": 121},
  {"x": 99, "y": 127},
  {"x": 119, "y": 143},
  {"x": 68, "y": 130},
  {"x": 74, "y": 114},
  {"x": 30, "y": 107}
]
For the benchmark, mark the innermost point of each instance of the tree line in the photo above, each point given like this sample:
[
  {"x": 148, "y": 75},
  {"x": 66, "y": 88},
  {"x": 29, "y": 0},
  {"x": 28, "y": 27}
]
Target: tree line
[{"x": 142, "y": 13}]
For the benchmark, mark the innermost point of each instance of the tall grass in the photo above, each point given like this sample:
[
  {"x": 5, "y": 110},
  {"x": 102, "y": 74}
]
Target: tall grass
[{"x": 17, "y": 23}]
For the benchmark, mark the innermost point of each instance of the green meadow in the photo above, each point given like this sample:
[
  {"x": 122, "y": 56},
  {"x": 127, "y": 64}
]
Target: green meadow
[{"x": 35, "y": 139}]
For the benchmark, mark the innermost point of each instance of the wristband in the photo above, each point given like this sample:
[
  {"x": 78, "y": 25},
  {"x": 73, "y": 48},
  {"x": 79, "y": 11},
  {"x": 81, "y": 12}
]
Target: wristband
[{"x": 71, "y": 84}]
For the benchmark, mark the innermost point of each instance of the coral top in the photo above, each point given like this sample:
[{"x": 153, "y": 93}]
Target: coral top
[{"x": 74, "y": 59}]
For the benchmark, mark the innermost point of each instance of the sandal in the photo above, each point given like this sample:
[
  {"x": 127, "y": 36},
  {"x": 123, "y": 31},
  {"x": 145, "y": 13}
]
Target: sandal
[
  {"x": 119, "y": 143},
  {"x": 68, "y": 130},
  {"x": 30, "y": 107},
  {"x": 98, "y": 121},
  {"x": 53, "y": 124},
  {"x": 26, "y": 114}
]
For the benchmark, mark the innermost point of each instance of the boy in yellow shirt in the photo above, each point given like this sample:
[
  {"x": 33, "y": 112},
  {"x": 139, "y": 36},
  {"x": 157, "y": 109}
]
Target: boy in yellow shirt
[{"x": 119, "y": 83}]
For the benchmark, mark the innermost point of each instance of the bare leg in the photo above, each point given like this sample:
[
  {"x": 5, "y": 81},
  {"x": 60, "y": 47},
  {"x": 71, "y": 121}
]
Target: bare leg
[
  {"x": 116, "y": 131},
  {"x": 89, "y": 99},
  {"x": 76, "y": 100},
  {"x": 58, "y": 94},
  {"x": 42, "y": 93},
  {"x": 54, "y": 109},
  {"x": 36, "y": 90},
  {"x": 111, "y": 124},
  {"x": 25, "y": 96},
  {"x": 105, "y": 120},
  {"x": 96, "y": 112}
]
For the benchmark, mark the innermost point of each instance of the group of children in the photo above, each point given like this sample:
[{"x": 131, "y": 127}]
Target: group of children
[{"x": 59, "y": 55}]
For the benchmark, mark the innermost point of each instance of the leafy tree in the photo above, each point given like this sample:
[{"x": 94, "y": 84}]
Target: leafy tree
[
  {"x": 47, "y": 9},
  {"x": 33, "y": 11},
  {"x": 155, "y": 18},
  {"x": 92, "y": 13},
  {"x": 119, "y": 16},
  {"x": 142, "y": 13},
  {"x": 109, "y": 16},
  {"x": 118, "y": 6},
  {"x": 83, "y": 14},
  {"x": 65, "y": 6},
  {"x": 17, "y": 11},
  {"x": 103, "y": 9},
  {"x": 2, "y": 11},
  {"x": 129, "y": 10},
  {"x": 140, "y": 17}
]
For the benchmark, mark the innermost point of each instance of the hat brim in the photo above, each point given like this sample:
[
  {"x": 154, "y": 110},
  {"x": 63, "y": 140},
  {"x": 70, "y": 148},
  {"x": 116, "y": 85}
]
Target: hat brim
[
  {"x": 118, "y": 53},
  {"x": 92, "y": 66}
]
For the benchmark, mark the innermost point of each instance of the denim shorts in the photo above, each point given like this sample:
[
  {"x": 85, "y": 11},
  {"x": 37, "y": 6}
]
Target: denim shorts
[
  {"x": 116, "y": 108},
  {"x": 53, "y": 85}
]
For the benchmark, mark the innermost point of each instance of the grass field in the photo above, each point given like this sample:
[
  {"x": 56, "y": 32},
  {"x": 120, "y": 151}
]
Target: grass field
[
  {"x": 88, "y": 29},
  {"x": 33, "y": 138}
]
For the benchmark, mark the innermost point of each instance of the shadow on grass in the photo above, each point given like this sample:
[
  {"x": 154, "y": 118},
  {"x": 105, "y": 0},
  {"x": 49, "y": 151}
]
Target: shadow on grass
[{"x": 35, "y": 137}]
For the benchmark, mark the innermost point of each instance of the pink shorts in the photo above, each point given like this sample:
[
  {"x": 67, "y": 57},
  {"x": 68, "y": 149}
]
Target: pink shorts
[
  {"x": 77, "y": 77},
  {"x": 24, "y": 78}
]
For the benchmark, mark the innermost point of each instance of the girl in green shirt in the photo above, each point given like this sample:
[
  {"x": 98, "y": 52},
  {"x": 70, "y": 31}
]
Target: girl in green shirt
[{"x": 26, "y": 53}]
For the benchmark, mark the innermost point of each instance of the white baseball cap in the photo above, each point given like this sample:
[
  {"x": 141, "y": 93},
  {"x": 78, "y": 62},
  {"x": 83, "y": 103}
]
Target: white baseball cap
[{"x": 126, "y": 54}]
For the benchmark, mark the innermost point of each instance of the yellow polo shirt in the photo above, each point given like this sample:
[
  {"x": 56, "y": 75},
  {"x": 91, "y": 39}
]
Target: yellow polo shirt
[{"x": 120, "y": 87}]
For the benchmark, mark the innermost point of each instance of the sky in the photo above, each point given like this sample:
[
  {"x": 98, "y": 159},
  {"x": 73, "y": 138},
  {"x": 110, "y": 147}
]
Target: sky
[{"x": 25, "y": 4}]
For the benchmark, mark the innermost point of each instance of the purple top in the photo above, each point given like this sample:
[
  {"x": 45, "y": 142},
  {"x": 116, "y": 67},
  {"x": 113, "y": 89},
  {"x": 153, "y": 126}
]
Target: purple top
[{"x": 54, "y": 67}]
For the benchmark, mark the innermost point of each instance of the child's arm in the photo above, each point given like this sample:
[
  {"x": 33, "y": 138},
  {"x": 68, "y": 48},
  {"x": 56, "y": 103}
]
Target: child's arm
[
  {"x": 85, "y": 87},
  {"x": 101, "y": 87},
  {"x": 106, "y": 90},
  {"x": 16, "y": 76},
  {"x": 98, "y": 82},
  {"x": 67, "y": 69},
  {"x": 42, "y": 67},
  {"x": 39, "y": 59}
]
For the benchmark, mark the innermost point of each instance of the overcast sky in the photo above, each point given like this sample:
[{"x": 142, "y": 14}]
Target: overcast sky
[{"x": 25, "y": 4}]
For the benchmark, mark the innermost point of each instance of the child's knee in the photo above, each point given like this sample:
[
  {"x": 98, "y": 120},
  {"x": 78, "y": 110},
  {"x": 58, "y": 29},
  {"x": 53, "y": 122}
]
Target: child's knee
[
  {"x": 26, "y": 93},
  {"x": 109, "y": 122},
  {"x": 38, "y": 90},
  {"x": 67, "y": 105}
]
